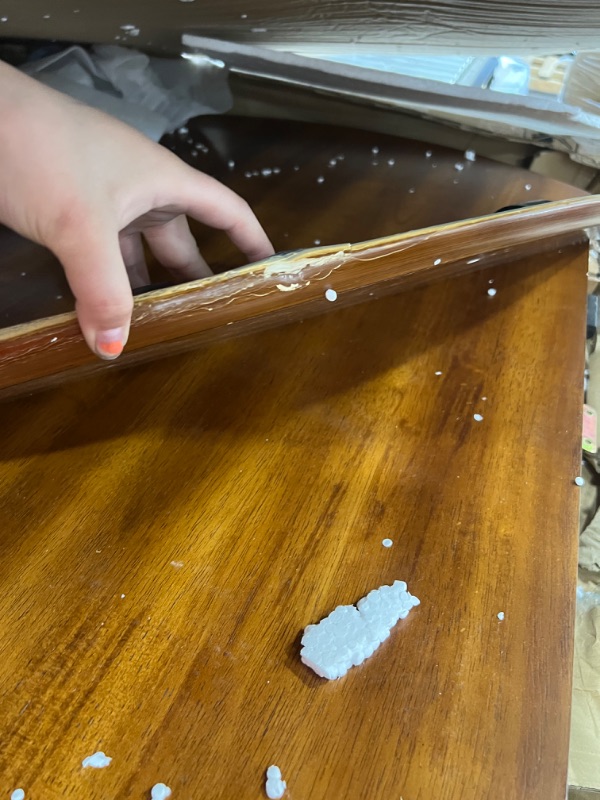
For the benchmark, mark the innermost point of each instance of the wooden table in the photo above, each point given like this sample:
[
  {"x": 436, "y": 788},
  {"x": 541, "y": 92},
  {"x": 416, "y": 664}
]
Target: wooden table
[{"x": 169, "y": 530}]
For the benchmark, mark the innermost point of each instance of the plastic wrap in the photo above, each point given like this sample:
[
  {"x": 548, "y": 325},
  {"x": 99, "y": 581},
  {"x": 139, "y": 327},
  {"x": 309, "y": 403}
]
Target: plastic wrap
[{"x": 153, "y": 95}]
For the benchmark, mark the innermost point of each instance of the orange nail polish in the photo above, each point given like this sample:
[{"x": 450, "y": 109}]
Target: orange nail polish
[
  {"x": 111, "y": 348},
  {"x": 110, "y": 343}
]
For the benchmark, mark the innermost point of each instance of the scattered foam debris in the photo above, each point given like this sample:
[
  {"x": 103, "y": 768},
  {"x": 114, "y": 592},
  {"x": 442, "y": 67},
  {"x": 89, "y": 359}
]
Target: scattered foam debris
[
  {"x": 491, "y": 292},
  {"x": 97, "y": 761},
  {"x": 160, "y": 791},
  {"x": 350, "y": 634},
  {"x": 411, "y": 191},
  {"x": 375, "y": 151},
  {"x": 387, "y": 542},
  {"x": 184, "y": 130},
  {"x": 437, "y": 262},
  {"x": 428, "y": 154},
  {"x": 331, "y": 295},
  {"x": 500, "y": 615},
  {"x": 527, "y": 187},
  {"x": 579, "y": 481},
  {"x": 275, "y": 787},
  {"x": 122, "y": 597},
  {"x": 470, "y": 155},
  {"x": 477, "y": 417},
  {"x": 320, "y": 179},
  {"x": 317, "y": 241},
  {"x": 391, "y": 162},
  {"x": 231, "y": 164},
  {"x": 18, "y": 794},
  {"x": 265, "y": 172},
  {"x": 459, "y": 167},
  {"x": 438, "y": 372}
]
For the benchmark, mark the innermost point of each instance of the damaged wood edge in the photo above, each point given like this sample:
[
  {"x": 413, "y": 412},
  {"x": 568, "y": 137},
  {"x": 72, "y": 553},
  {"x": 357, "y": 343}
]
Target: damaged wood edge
[{"x": 292, "y": 286}]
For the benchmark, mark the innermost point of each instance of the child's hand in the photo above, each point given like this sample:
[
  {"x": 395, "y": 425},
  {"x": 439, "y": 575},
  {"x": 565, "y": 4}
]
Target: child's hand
[{"x": 89, "y": 187}]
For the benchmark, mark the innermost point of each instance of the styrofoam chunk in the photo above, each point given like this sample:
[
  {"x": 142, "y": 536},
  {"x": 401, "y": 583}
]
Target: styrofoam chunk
[
  {"x": 275, "y": 787},
  {"x": 98, "y": 761},
  {"x": 160, "y": 791},
  {"x": 350, "y": 634}
]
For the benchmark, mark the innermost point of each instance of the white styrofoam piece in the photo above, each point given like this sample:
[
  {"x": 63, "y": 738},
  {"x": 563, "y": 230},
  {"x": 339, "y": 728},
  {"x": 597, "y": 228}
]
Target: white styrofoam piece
[
  {"x": 275, "y": 787},
  {"x": 97, "y": 761},
  {"x": 160, "y": 791},
  {"x": 350, "y": 634}
]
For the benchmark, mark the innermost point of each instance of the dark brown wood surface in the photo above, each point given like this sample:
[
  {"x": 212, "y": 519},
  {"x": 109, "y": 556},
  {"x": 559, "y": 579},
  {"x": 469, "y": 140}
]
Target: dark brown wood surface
[
  {"x": 296, "y": 163},
  {"x": 237, "y": 494}
]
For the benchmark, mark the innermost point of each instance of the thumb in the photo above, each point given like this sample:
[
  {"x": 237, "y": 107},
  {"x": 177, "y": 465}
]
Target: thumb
[{"x": 97, "y": 276}]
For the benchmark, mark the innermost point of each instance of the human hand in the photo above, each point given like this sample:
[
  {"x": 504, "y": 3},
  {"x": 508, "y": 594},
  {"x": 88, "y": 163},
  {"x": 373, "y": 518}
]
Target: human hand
[{"x": 89, "y": 188}]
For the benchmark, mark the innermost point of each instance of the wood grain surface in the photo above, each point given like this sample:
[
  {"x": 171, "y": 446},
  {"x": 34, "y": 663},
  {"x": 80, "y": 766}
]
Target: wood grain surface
[
  {"x": 169, "y": 530},
  {"x": 306, "y": 162}
]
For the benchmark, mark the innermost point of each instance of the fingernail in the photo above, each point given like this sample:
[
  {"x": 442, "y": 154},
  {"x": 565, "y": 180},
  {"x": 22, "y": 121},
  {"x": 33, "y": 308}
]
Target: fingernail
[{"x": 110, "y": 344}]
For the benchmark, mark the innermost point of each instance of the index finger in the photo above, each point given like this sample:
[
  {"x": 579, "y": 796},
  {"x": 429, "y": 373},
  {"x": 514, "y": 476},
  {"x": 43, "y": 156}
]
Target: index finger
[{"x": 212, "y": 203}]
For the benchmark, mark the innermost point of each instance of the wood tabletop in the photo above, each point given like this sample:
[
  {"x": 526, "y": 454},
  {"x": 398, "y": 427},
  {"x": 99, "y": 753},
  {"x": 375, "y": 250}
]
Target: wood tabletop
[{"x": 169, "y": 530}]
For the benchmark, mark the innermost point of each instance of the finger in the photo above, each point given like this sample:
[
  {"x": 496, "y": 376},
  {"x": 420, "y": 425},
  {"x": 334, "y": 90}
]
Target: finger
[
  {"x": 215, "y": 205},
  {"x": 174, "y": 246},
  {"x": 132, "y": 251},
  {"x": 96, "y": 273}
]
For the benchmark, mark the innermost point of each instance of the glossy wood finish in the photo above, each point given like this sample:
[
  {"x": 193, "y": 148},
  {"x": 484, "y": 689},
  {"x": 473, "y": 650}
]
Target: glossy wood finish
[
  {"x": 413, "y": 189},
  {"x": 236, "y": 495},
  {"x": 239, "y": 493}
]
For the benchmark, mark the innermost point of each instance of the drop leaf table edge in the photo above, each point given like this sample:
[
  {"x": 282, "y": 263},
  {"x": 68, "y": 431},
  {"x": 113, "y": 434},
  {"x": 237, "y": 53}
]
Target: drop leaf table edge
[{"x": 167, "y": 532}]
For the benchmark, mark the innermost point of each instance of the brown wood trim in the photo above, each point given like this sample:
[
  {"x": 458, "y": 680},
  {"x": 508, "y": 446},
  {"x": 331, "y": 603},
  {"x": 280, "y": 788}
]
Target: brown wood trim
[{"x": 293, "y": 285}]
